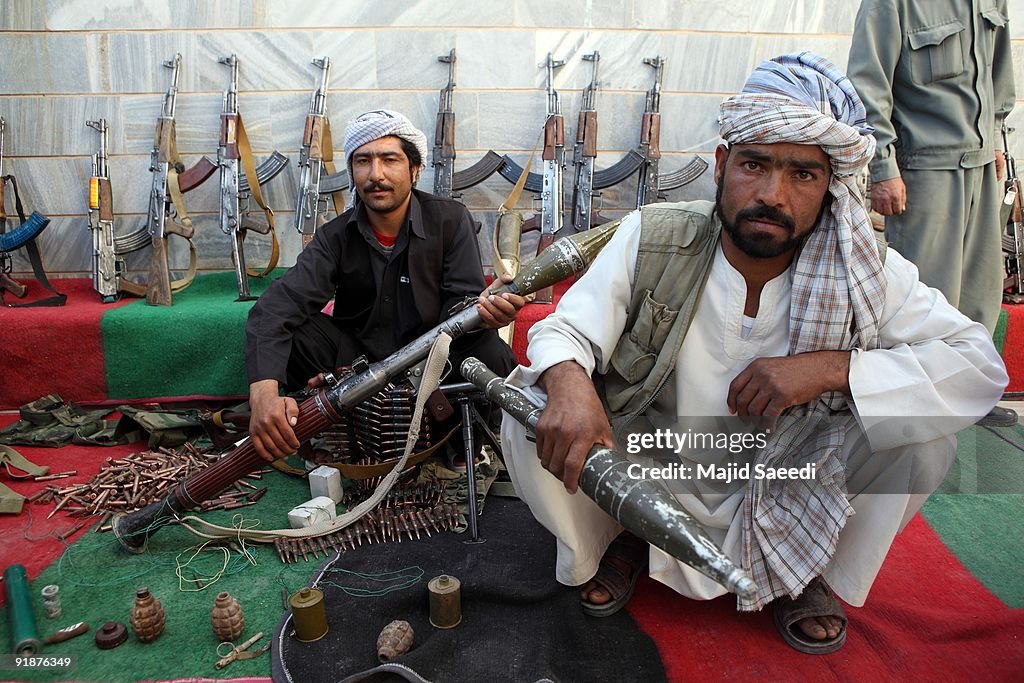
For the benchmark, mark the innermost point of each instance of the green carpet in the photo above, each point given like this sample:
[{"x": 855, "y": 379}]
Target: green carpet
[
  {"x": 999, "y": 334},
  {"x": 193, "y": 348},
  {"x": 979, "y": 510},
  {"x": 98, "y": 582}
]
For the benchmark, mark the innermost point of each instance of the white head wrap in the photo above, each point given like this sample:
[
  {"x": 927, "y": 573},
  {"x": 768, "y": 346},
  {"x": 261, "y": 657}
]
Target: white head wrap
[{"x": 381, "y": 123}]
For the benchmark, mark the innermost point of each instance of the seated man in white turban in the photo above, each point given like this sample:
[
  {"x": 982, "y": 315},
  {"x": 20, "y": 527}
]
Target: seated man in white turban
[
  {"x": 395, "y": 264},
  {"x": 775, "y": 300}
]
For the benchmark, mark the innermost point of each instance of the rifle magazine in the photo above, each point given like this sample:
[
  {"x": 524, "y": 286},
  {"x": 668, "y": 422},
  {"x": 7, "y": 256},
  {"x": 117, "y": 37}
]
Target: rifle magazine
[
  {"x": 684, "y": 176},
  {"x": 478, "y": 172},
  {"x": 511, "y": 171},
  {"x": 619, "y": 171}
]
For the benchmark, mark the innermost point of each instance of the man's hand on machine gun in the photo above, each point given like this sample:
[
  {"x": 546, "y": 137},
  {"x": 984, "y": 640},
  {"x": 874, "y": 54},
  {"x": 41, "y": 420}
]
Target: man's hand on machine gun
[
  {"x": 273, "y": 417},
  {"x": 498, "y": 310}
]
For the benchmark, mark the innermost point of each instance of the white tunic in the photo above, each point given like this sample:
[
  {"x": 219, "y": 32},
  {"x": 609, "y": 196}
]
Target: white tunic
[{"x": 933, "y": 362}]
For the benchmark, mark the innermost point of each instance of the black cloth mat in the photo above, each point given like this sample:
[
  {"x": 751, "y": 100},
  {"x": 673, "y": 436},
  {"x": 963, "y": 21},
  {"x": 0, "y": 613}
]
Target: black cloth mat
[{"x": 518, "y": 623}]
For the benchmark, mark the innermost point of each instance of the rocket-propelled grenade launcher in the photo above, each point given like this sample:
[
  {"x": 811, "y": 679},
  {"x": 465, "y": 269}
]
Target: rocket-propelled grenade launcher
[
  {"x": 563, "y": 258},
  {"x": 642, "y": 506}
]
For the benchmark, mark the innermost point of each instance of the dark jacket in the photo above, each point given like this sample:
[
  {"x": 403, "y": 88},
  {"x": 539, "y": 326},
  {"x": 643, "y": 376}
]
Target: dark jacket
[{"x": 440, "y": 267}]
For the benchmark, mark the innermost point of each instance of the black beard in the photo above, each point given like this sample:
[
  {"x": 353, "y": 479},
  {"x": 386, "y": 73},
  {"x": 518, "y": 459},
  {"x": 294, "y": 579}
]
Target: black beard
[{"x": 757, "y": 245}]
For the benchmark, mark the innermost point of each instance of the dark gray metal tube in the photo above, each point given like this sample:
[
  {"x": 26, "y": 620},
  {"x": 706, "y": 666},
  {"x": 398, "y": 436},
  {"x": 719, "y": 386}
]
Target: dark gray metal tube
[{"x": 641, "y": 506}]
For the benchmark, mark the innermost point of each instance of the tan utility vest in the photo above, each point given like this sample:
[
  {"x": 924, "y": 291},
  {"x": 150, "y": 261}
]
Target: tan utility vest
[{"x": 677, "y": 248}]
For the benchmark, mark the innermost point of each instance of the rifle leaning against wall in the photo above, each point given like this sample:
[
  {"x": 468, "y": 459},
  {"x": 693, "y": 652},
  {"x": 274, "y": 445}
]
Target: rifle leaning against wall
[
  {"x": 1013, "y": 232},
  {"x": 235, "y": 220},
  {"x": 22, "y": 236},
  {"x": 447, "y": 181},
  {"x": 651, "y": 186},
  {"x": 108, "y": 250},
  {"x": 167, "y": 214},
  {"x": 315, "y": 157}
]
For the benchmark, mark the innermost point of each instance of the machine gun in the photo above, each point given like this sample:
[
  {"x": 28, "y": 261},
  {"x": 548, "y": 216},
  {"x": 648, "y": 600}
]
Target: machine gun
[
  {"x": 234, "y": 198},
  {"x": 316, "y": 156},
  {"x": 566, "y": 257},
  {"x": 585, "y": 151},
  {"x": 1013, "y": 234},
  {"x": 22, "y": 236},
  {"x": 170, "y": 183},
  {"x": 108, "y": 264}
]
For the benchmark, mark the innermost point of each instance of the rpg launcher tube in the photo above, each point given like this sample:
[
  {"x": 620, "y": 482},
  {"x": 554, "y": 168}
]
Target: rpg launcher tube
[
  {"x": 563, "y": 258},
  {"x": 22, "y": 621},
  {"x": 642, "y": 507}
]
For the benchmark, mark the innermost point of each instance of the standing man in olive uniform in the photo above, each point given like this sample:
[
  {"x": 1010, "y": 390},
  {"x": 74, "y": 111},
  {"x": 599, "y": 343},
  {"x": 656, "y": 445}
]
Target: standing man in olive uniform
[{"x": 936, "y": 78}]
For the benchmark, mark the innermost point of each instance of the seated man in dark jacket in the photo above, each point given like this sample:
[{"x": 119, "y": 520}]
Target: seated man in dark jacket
[{"x": 395, "y": 264}]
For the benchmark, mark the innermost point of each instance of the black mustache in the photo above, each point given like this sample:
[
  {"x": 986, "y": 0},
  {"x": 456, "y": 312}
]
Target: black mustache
[
  {"x": 767, "y": 213},
  {"x": 374, "y": 187}
]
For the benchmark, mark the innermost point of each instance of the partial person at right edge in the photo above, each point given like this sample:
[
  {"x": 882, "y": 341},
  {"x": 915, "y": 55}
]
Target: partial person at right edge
[{"x": 936, "y": 79}]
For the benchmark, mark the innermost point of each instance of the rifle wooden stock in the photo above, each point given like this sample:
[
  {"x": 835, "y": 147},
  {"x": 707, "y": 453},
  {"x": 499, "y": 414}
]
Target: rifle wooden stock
[
  {"x": 106, "y": 200},
  {"x": 586, "y": 132},
  {"x": 13, "y": 286},
  {"x": 444, "y": 130},
  {"x": 554, "y": 136},
  {"x": 158, "y": 288},
  {"x": 650, "y": 133},
  {"x": 191, "y": 178}
]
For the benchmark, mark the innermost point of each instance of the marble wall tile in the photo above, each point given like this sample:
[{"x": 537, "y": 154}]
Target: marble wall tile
[
  {"x": 729, "y": 16},
  {"x": 1015, "y": 8},
  {"x": 804, "y": 16},
  {"x": 40, "y": 63},
  {"x": 835, "y": 48},
  {"x": 500, "y": 59},
  {"x": 415, "y": 13},
  {"x": 573, "y": 13},
  {"x": 76, "y": 15},
  {"x": 22, "y": 15}
]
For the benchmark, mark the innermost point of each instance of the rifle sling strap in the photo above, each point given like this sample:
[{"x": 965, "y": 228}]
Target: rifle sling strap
[
  {"x": 33, "y": 257},
  {"x": 249, "y": 166},
  {"x": 328, "y": 160}
]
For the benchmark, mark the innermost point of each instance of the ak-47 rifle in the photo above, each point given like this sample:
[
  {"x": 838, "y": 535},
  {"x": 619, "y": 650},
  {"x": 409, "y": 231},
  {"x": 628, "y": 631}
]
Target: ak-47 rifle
[
  {"x": 447, "y": 181},
  {"x": 650, "y": 185},
  {"x": 22, "y": 236},
  {"x": 566, "y": 257},
  {"x": 170, "y": 182},
  {"x": 235, "y": 220},
  {"x": 444, "y": 134},
  {"x": 315, "y": 157},
  {"x": 1013, "y": 233},
  {"x": 585, "y": 151},
  {"x": 108, "y": 264}
]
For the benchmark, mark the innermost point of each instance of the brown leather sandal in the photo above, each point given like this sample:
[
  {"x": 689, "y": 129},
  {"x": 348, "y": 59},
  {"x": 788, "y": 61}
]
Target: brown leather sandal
[
  {"x": 633, "y": 553},
  {"x": 817, "y": 600}
]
